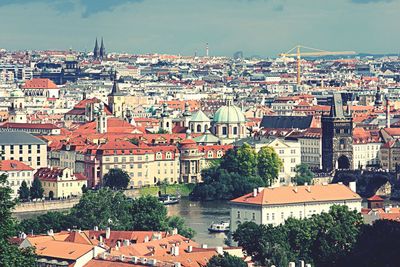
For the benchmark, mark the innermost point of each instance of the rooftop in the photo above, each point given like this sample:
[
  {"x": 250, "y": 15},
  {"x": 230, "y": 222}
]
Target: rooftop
[{"x": 19, "y": 138}]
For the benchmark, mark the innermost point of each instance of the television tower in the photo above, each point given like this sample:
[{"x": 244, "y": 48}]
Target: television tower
[{"x": 206, "y": 49}]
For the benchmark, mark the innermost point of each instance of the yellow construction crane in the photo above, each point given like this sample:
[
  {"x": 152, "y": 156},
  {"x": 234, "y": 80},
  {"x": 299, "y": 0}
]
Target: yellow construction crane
[{"x": 315, "y": 53}]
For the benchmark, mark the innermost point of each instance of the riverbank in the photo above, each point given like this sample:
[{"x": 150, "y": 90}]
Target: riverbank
[{"x": 174, "y": 189}]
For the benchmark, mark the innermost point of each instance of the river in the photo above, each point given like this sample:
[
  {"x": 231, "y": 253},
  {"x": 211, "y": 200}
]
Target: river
[{"x": 197, "y": 215}]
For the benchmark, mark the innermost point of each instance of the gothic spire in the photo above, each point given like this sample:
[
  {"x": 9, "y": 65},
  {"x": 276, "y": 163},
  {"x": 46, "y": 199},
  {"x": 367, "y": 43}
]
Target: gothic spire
[
  {"x": 96, "y": 49},
  {"x": 102, "y": 49}
]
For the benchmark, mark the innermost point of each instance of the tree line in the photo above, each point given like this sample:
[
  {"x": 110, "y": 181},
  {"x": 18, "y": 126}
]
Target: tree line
[{"x": 335, "y": 238}]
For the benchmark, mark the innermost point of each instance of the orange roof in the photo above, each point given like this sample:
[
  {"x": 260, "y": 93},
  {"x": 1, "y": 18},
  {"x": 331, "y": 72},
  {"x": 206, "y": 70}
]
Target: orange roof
[
  {"x": 39, "y": 83},
  {"x": 14, "y": 165},
  {"x": 299, "y": 194},
  {"x": 62, "y": 250}
]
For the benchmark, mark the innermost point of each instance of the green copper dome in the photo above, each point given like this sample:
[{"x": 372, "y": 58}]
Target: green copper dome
[{"x": 229, "y": 114}]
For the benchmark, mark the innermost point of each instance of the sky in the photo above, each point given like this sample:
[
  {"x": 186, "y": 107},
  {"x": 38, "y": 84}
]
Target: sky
[{"x": 256, "y": 27}]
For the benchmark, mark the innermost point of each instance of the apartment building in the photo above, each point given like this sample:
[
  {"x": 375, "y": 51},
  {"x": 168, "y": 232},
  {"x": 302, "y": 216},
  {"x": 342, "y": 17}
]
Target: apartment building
[
  {"x": 275, "y": 205},
  {"x": 16, "y": 172},
  {"x": 23, "y": 147},
  {"x": 60, "y": 183}
]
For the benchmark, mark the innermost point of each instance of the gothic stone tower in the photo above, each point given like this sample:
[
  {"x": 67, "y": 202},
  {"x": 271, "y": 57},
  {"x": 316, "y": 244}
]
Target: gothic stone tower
[{"x": 337, "y": 137}]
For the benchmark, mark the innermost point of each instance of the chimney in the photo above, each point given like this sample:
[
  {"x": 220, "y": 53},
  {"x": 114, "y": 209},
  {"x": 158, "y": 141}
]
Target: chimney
[
  {"x": 301, "y": 263},
  {"x": 189, "y": 249},
  {"x": 254, "y": 192},
  {"x": 96, "y": 228},
  {"x": 50, "y": 232},
  {"x": 308, "y": 188},
  {"x": 118, "y": 244},
  {"x": 177, "y": 264},
  {"x": 126, "y": 242},
  {"x": 101, "y": 239},
  {"x": 353, "y": 187},
  {"x": 295, "y": 189},
  {"x": 121, "y": 257},
  {"x": 146, "y": 239},
  {"x": 174, "y": 231},
  {"x": 204, "y": 246},
  {"x": 175, "y": 251},
  {"x": 134, "y": 260},
  {"x": 219, "y": 250},
  {"x": 260, "y": 189},
  {"x": 108, "y": 232},
  {"x": 292, "y": 264}
]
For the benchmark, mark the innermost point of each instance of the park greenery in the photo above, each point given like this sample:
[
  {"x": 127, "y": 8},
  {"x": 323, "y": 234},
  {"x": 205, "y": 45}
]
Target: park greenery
[
  {"x": 226, "y": 260},
  {"x": 239, "y": 171},
  {"x": 26, "y": 193},
  {"x": 106, "y": 208},
  {"x": 10, "y": 255},
  {"x": 116, "y": 179},
  {"x": 336, "y": 238},
  {"x": 303, "y": 175}
]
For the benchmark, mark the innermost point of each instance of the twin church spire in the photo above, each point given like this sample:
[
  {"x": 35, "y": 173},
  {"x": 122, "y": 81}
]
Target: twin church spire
[{"x": 99, "y": 53}]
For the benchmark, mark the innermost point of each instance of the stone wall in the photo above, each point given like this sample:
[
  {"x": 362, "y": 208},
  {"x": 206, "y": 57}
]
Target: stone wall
[{"x": 45, "y": 205}]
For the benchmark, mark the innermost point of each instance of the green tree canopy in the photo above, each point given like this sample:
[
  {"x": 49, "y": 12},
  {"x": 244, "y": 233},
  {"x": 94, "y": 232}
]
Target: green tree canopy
[
  {"x": 303, "y": 174},
  {"x": 10, "y": 255},
  {"x": 23, "y": 191},
  {"x": 239, "y": 172},
  {"x": 36, "y": 190},
  {"x": 268, "y": 165},
  {"x": 322, "y": 240},
  {"x": 226, "y": 260},
  {"x": 116, "y": 179}
]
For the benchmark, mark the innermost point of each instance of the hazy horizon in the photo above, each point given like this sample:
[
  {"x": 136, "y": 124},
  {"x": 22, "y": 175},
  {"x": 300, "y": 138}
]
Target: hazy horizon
[{"x": 256, "y": 27}]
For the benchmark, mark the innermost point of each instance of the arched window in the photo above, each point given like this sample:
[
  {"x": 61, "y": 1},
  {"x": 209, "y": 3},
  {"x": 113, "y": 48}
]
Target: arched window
[
  {"x": 205, "y": 128},
  {"x": 198, "y": 128},
  {"x": 167, "y": 124},
  {"x": 224, "y": 130},
  {"x": 235, "y": 130}
]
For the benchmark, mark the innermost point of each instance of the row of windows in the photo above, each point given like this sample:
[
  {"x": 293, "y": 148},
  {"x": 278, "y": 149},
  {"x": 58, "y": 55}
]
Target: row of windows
[{"x": 282, "y": 151}]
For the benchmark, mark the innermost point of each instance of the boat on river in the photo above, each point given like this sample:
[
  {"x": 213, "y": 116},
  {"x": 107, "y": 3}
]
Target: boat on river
[
  {"x": 221, "y": 227},
  {"x": 169, "y": 199}
]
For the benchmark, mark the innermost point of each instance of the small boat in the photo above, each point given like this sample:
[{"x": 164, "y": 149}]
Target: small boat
[
  {"x": 169, "y": 199},
  {"x": 221, "y": 227}
]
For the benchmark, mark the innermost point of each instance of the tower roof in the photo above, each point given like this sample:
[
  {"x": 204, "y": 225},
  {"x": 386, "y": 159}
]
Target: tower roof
[
  {"x": 115, "y": 89},
  {"x": 96, "y": 49},
  {"x": 337, "y": 106},
  {"x": 102, "y": 49}
]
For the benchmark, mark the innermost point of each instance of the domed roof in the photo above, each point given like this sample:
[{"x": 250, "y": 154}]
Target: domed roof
[
  {"x": 229, "y": 114},
  {"x": 199, "y": 116}
]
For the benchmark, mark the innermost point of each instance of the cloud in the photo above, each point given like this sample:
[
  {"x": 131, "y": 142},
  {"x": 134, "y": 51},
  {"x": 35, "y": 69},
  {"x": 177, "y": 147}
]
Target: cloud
[
  {"x": 87, "y": 7},
  {"x": 370, "y": 1}
]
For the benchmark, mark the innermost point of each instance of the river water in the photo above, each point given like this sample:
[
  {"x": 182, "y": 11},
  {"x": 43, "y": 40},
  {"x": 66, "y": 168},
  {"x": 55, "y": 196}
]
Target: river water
[{"x": 197, "y": 215}]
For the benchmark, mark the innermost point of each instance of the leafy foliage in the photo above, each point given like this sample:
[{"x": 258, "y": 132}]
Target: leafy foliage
[
  {"x": 116, "y": 179},
  {"x": 239, "y": 171},
  {"x": 226, "y": 260},
  {"x": 303, "y": 174},
  {"x": 36, "y": 190},
  {"x": 323, "y": 240},
  {"x": 106, "y": 208},
  {"x": 10, "y": 255},
  {"x": 23, "y": 191}
]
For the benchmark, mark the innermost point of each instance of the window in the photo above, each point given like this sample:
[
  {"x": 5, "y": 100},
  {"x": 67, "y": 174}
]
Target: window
[
  {"x": 235, "y": 130},
  {"x": 254, "y": 216},
  {"x": 281, "y": 151},
  {"x": 293, "y": 151},
  {"x": 139, "y": 165},
  {"x": 238, "y": 214},
  {"x": 293, "y": 160},
  {"x": 273, "y": 216},
  {"x": 224, "y": 130},
  {"x": 282, "y": 215}
]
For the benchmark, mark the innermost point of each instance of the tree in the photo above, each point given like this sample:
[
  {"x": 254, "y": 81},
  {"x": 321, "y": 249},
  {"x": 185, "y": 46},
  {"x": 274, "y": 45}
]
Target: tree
[
  {"x": 84, "y": 189},
  {"x": 226, "y": 260},
  {"x": 116, "y": 179},
  {"x": 268, "y": 165},
  {"x": 55, "y": 220},
  {"x": 303, "y": 174},
  {"x": 36, "y": 190},
  {"x": 247, "y": 160},
  {"x": 103, "y": 208},
  {"x": 23, "y": 191},
  {"x": 10, "y": 255},
  {"x": 176, "y": 222},
  {"x": 148, "y": 214},
  {"x": 376, "y": 245}
]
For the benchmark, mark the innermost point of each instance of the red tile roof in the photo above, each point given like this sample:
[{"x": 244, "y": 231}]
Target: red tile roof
[
  {"x": 14, "y": 165},
  {"x": 39, "y": 83}
]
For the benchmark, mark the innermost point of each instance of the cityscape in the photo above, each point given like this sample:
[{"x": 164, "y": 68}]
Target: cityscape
[{"x": 185, "y": 145}]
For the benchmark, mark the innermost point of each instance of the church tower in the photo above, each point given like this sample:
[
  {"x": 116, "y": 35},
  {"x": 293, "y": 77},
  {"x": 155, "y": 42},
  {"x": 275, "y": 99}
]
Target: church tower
[
  {"x": 337, "y": 137},
  {"x": 166, "y": 120},
  {"x": 96, "y": 51},
  {"x": 17, "y": 110},
  {"x": 116, "y": 99},
  {"x": 187, "y": 115},
  {"x": 102, "y": 49},
  {"x": 101, "y": 120}
]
